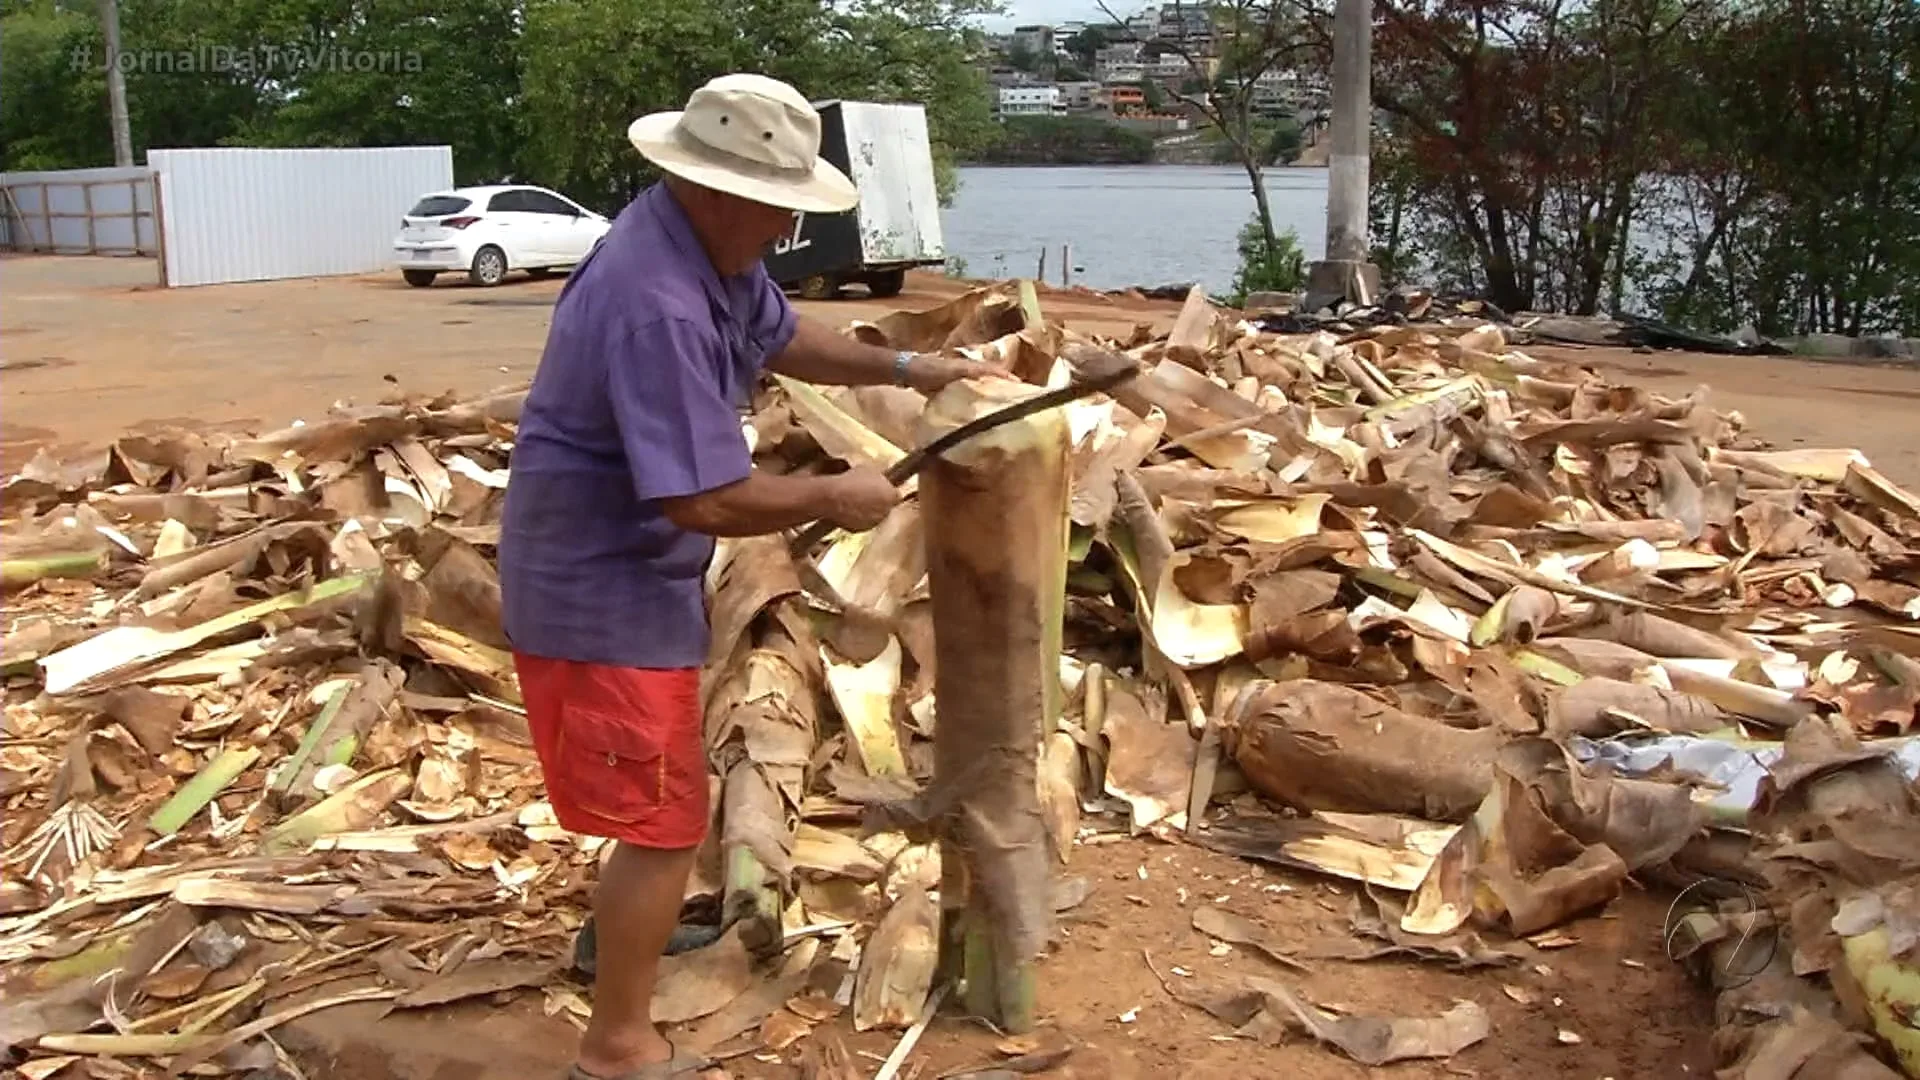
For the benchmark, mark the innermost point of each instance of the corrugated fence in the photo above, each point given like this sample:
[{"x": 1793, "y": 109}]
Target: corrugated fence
[
  {"x": 246, "y": 214},
  {"x": 79, "y": 211}
]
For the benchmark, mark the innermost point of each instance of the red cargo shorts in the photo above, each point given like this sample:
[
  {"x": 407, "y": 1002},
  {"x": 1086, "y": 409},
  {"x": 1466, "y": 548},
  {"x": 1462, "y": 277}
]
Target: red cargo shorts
[{"x": 620, "y": 748}]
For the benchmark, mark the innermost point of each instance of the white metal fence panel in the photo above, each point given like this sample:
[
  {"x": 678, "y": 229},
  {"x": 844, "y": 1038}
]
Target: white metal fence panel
[
  {"x": 246, "y": 214},
  {"x": 79, "y": 211}
]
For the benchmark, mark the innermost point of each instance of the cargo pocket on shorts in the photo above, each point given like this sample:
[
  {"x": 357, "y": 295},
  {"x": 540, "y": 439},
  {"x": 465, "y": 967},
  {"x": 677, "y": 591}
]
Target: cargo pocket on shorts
[{"x": 617, "y": 770}]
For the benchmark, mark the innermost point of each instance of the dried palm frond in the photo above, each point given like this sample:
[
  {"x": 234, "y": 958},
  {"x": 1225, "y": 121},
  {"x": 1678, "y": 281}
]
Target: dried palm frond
[{"x": 73, "y": 831}]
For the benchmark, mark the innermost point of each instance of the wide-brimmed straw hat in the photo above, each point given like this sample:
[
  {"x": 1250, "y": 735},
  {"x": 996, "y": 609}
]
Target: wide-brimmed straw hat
[{"x": 750, "y": 136}]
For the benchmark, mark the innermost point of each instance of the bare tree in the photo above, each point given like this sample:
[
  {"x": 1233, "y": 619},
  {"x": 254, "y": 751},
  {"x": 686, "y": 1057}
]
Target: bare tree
[
  {"x": 1250, "y": 38},
  {"x": 1528, "y": 131}
]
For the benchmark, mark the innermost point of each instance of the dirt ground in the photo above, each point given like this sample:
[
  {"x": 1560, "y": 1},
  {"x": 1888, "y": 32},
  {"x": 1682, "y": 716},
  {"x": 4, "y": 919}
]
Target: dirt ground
[
  {"x": 92, "y": 348},
  {"x": 1634, "y": 1012}
]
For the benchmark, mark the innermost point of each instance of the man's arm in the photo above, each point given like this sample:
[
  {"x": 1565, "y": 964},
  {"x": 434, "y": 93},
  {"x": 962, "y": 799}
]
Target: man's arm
[
  {"x": 818, "y": 354},
  {"x": 684, "y": 448},
  {"x": 767, "y": 502}
]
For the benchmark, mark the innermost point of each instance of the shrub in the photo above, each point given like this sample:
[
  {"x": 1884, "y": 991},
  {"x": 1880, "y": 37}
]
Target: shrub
[{"x": 1280, "y": 268}]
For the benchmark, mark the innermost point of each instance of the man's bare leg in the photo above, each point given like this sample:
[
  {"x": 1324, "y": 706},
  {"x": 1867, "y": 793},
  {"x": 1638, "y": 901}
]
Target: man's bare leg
[{"x": 635, "y": 908}]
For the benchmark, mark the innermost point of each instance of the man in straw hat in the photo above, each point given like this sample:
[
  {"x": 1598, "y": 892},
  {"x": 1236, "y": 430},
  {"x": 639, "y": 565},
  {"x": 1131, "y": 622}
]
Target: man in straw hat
[{"x": 629, "y": 460}]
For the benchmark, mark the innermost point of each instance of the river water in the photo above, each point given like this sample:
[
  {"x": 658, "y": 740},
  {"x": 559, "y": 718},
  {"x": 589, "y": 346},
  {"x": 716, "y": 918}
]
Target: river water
[{"x": 1127, "y": 224}]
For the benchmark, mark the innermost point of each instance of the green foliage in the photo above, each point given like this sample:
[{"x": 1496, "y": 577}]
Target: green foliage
[
  {"x": 569, "y": 88},
  {"x": 1267, "y": 264},
  {"x": 51, "y": 116},
  {"x": 1798, "y": 202},
  {"x": 910, "y": 50},
  {"x": 1251, "y": 38},
  {"x": 1154, "y": 97},
  {"x": 184, "y": 103},
  {"x": 1220, "y": 149},
  {"x": 540, "y": 90},
  {"x": 1067, "y": 140},
  {"x": 1274, "y": 142},
  {"x": 956, "y": 267},
  {"x": 1282, "y": 141},
  {"x": 1083, "y": 45},
  {"x": 453, "y": 57}
]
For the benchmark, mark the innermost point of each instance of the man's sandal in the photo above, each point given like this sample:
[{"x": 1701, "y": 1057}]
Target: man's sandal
[{"x": 683, "y": 1063}]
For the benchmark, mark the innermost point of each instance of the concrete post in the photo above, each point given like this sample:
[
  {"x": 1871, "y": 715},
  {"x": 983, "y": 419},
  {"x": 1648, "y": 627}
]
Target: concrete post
[
  {"x": 116, "y": 84},
  {"x": 1346, "y": 272}
]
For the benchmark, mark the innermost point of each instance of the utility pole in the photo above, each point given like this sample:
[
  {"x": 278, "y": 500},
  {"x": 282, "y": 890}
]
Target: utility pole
[
  {"x": 1346, "y": 272},
  {"x": 116, "y": 84}
]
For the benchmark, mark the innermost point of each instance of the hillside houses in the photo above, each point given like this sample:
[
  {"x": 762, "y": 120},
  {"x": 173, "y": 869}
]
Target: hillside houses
[{"x": 1137, "y": 68}]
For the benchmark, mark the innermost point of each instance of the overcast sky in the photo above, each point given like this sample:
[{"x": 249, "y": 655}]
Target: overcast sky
[{"x": 1058, "y": 11}]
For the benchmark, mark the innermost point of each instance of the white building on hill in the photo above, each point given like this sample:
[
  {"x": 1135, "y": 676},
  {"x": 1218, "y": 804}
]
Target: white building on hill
[
  {"x": 1119, "y": 63},
  {"x": 1031, "y": 101},
  {"x": 1064, "y": 33}
]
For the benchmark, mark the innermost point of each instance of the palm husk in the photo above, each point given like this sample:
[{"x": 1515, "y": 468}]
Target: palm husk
[
  {"x": 898, "y": 964},
  {"x": 1423, "y": 538},
  {"x": 1318, "y": 746},
  {"x": 996, "y": 511}
]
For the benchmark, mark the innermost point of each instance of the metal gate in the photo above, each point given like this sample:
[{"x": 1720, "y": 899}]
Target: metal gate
[{"x": 79, "y": 212}]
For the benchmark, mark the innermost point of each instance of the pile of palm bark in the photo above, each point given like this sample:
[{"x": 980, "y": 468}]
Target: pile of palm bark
[{"x": 1406, "y": 607}]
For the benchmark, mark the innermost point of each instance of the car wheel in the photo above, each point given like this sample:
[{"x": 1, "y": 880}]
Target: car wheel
[
  {"x": 819, "y": 287},
  {"x": 538, "y": 272},
  {"x": 489, "y": 266},
  {"x": 887, "y": 284},
  {"x": 419, "y": 279}
]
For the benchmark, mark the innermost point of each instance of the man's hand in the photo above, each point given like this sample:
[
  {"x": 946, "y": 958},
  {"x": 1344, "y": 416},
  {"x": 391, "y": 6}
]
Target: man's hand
[
  {"x": 860, "y": 498},
  {"x": 767, "y": 503},
  {"x": 930, "y": 372}
]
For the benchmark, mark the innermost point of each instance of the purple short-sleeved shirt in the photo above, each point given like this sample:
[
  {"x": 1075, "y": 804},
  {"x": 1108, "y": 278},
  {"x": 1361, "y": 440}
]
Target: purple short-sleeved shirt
[{"x": 650, "y": 359}]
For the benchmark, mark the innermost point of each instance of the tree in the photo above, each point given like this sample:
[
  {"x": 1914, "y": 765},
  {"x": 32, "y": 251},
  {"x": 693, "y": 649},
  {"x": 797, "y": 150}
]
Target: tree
[
  {"x": 1086, "y": 45},
  {"x": 569, "y": 89},
  {"x": 1732, "y": 161},
  {"x": 918, "y": 50},
  {"x": 1794, "y": 203},
  {"x": 1266, "y": 265},
  {"x": 441, "y": 71},
  {"x": 907, "y": 50},
  {"x": 1067, "y": 140},
  {"x": 1251, "y": 37},
  {"x": 1283, "y": 142},
  {"x": 178, "y": 94},
  {"x": 53, "y": 113},
  {"x": 520, "y": 88},
  {"x": 1527, "y": 128}
]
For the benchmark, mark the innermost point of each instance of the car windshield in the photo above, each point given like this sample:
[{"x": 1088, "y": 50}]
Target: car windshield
[{"x": 439, "y": 206}]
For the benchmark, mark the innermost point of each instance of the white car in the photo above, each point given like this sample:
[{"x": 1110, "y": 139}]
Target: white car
[{"x": 487, "y": 231}]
